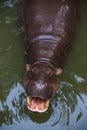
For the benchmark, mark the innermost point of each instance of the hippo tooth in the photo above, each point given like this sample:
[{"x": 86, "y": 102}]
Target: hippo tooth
[
  {"x": 47, "y": 104},
  {"x": 28, "y": 100}
]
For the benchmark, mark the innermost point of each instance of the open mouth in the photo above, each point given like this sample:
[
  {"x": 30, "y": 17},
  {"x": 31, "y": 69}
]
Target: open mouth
[{"x": 37, "y": 104}]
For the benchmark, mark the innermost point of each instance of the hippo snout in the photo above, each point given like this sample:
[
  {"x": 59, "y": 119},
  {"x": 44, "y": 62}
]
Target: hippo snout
[{"x": 39, "y": 89}]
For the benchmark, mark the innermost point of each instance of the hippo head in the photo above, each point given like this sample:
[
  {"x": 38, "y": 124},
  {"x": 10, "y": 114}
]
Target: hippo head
[{"x": 41, "y": 83}]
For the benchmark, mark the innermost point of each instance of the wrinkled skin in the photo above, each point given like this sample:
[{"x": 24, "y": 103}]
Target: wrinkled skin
[{"x": 49, "y": 29}]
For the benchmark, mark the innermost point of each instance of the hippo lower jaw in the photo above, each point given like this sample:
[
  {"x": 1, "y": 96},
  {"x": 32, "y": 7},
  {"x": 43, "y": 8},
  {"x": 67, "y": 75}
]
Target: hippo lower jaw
[{"x": 39, "y": 105}]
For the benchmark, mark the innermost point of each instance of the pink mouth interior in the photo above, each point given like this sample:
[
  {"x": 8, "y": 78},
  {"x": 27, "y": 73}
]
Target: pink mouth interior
[{"x": 37, "y": 105}]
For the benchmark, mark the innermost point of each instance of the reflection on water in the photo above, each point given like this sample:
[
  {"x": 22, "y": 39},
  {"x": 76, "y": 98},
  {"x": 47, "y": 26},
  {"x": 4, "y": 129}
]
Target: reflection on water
[
  {"x": 10, "y": 109},
  {"x": 68, "y": 109}
]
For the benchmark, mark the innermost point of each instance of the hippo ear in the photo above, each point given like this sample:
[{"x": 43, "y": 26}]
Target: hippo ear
[
  {"x": 27, "y": 67},
  {"x": 58, "y": 71}
]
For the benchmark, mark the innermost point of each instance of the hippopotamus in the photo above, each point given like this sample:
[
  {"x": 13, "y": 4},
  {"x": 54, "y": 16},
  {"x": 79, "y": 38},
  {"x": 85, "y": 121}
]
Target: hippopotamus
[{"x": 49, "y": 30}]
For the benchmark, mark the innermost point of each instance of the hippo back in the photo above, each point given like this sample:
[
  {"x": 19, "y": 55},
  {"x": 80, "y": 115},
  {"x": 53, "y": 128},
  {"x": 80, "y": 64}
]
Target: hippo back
[{"x": 49, "y": 27}]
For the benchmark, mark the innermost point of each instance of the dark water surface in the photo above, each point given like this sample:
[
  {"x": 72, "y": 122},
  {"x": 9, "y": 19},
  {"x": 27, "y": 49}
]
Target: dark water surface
[{"x": 68, "y": 109}]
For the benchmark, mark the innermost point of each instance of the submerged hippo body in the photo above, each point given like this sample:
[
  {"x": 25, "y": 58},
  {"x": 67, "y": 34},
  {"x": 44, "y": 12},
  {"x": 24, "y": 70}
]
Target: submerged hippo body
[{"x": 49, "y": 29}]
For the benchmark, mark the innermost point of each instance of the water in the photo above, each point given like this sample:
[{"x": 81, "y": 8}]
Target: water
[{"x": 68, "y": 109}]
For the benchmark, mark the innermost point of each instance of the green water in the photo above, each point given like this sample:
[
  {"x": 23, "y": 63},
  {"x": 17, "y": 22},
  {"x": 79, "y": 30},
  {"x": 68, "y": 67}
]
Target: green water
[{"x": 68, "y": 109}]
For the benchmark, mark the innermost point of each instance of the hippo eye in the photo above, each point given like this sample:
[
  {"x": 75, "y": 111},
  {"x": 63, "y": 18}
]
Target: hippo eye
[
  {"x": 52, "y": 76},
  {"x": 31, "y": 74}
]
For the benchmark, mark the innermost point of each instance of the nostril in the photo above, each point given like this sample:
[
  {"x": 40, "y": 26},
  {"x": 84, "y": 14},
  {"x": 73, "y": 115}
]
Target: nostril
[
  {"x": 39, "y": 85},
  {"x": 46, "y": 84},
  {"x": 35, "y": 82}
]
